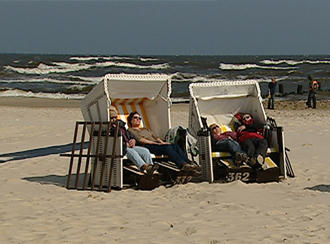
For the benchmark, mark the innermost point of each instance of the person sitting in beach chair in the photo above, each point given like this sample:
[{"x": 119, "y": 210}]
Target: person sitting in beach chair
[
  {"x": 157, "y": 146},
  {"x": 226, "y": 142},
  {"x": 249, "y": 135},
  {"x": 140, "y": 156}
]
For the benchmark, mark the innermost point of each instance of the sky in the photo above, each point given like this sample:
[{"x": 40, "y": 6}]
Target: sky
[{"x": 171, "y": 27}]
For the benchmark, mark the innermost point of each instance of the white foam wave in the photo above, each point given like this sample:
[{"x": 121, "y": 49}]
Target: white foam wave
[
  {"x": 90, "y": 58},
  {"x": 148, "y": 59},
  {"x": 44, "y": 69},
  {"x": 85, "y": 58},
  {"x": 85, "y": 81},
  {"x": 62, "y": 67},
  {"x": 89, "y": 79},
  {"x": 249, "y": 66},
  {"x": 197, "y": 78},
  {"x": 294, "y": 62},
  {"x": 20, "y": 93}
]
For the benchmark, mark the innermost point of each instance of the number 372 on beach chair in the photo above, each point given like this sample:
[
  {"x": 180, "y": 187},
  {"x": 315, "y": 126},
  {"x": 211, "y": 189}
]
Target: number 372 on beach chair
[{"x": 217, "y": 102}]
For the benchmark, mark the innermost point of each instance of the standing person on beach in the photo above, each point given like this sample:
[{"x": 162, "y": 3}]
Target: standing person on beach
[
  {"x": 271, "y": 93},
  {"x": 140, "y": 156},
  {"x": 313, "y": 87}
]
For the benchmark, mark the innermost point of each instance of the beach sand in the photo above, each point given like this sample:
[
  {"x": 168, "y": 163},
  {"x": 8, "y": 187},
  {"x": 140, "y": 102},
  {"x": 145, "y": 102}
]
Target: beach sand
[{"x": 35, "y": 206}]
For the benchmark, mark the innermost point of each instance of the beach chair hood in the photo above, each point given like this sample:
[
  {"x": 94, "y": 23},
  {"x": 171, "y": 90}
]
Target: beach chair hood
[
  {"x": 219, "y": 101},
  {"x": 153, "y": 90}
]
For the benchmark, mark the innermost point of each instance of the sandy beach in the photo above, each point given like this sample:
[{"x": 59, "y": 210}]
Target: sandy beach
[{"x": 35, "y": 206}]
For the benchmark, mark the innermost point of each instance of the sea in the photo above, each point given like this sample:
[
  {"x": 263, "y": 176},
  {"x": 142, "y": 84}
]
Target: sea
[{"x": 73, "y": 76}]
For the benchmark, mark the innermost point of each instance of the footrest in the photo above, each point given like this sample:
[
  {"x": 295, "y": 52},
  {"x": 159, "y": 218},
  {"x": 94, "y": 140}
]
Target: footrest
[
  {"x": 232, "y": 172},
  {"x": 169, "y": 165},
  {"x": 269, "y": 172},
  {"x": 133, "y": 169}
]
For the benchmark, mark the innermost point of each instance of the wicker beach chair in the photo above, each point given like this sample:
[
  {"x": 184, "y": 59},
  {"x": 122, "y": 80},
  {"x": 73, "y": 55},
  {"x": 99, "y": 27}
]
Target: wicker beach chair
[
  {"x": 148, "y": 94},
  {"x": 217, "y": 102}
]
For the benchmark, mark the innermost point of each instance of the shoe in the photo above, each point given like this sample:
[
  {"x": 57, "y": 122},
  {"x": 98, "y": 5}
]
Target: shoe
[
  {"x": 240, "y": 158},
  {"x": 252, "y": 162},
  {"x": 188, "y": 167},
  {"x": 151, "y": 168},
  {"x": 192, "y": 169},
  {"x": 260, "y": 159},
  {"x": 245, "y": 157},
  {"x": 256, "y": 162}
]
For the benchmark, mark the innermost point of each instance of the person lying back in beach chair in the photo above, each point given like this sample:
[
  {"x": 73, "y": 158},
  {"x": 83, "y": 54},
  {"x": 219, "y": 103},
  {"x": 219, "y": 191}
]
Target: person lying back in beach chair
[
  {"x": 157, "y": 146},
  {"x": 140, "y": 156},
  {"x": 226, "y": 142},
  {"x": 250, "y": 136}
]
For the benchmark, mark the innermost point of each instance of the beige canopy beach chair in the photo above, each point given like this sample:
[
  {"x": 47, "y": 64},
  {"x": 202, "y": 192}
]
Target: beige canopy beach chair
[
  {"x": 217, "y": 102},
  {"x": 149, "y": 94}
]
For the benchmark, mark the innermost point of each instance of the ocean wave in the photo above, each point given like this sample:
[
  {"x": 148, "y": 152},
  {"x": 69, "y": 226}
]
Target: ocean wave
[
  {"x": 91, "y": 58},
  {"x": 63, "y": 67},
  {"x": 294, "y": 62},
  {"x": 43, "y": 69},
  {"x": 188, "y": 77},
  {"x": 83, "y": 80},
  {"x": 148, "y": 59},
  {"x": 20, "y": 93},
  {"x": 249, "y": 66}
]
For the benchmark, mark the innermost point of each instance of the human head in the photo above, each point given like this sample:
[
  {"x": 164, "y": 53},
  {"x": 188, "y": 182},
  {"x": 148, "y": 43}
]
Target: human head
[
  {"x": 134, "y": 119},
  {"x": 247, "y": 119},
  {"x": 113, "y": 113},
  {"x": 273, "y": 80},
  {"x": 215, "y": 129}
]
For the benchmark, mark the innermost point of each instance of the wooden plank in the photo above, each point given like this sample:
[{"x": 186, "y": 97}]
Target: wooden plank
[
  {"x": 97, "y": 151},
  {"x": 113, "y": 155},
  {"x": 88, "y": 155},
  {"x": 72, "y": 158}
]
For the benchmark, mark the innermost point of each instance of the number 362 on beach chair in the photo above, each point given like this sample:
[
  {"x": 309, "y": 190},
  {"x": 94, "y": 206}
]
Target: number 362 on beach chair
[
  {"x": 217, "y": 102},
  {"x": 148, "y": 94}
]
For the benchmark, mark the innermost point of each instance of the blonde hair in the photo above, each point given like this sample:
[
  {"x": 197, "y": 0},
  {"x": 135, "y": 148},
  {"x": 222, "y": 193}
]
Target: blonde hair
[
  {"x": 211, "y": 125},
  {"x": 113, "y": 111}
]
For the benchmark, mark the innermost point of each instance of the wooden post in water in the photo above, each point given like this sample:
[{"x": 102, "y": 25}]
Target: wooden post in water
[
  {"x": 281, "y": 89},
  {"x": 299, "y": 89}
]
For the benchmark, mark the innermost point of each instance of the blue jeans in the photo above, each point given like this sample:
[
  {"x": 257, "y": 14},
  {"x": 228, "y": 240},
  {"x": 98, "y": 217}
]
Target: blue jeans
[
  {"x": 139, "y": 156},
  {"x": 228, "y": 145},
  {"x": 173, "y": 151}
]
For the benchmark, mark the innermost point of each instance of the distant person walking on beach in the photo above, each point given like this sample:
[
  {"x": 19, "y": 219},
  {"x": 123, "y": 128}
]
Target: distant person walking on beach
[
  {"x": 271, "y": 93},
  {"x": 313, "y": 87}
]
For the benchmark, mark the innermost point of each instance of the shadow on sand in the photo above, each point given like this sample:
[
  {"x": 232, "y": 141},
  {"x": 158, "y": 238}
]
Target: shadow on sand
[
  {"x": 39, "y": 152},
  {"x": 321, "y": 188},
  {"x": 56, "y": 180}
]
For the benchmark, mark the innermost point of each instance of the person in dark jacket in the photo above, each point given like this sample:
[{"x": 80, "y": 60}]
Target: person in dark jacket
[
  {"x": 226, "y": 142},
  {"x": 140, "y": 156},
  {"x": 249, "y": 136},
  {"x": 271, "y": 93},
  {"x": 313, "y": 87}
]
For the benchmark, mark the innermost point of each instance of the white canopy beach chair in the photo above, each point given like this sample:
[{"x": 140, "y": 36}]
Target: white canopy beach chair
[
  {"x": 217, "y": 102},
  {"x": 148, "y": 94}
]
